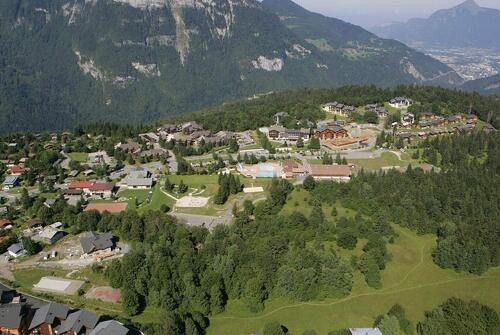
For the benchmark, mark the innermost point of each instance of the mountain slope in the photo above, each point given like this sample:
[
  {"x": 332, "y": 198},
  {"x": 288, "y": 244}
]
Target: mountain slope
[
  {"x": 466, "y": 25},
  {"x": 361, "y": 54},
  {"x": 69, "y": 62},
  {"x": 490, "y": 85}
]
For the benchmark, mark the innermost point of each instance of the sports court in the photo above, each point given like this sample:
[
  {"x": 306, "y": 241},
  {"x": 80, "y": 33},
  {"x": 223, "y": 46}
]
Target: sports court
[
  {"x": 262, "y": 170},
  {"x": 58, "y": 285},
  {"x": 192, "y": 202}
]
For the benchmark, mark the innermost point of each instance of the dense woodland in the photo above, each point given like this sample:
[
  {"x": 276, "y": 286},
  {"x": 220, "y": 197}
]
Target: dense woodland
[{"x": 460, "y": 204}]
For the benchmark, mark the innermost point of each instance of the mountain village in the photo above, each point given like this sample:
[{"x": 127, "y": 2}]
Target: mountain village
[{"x": 175, "y": 168}]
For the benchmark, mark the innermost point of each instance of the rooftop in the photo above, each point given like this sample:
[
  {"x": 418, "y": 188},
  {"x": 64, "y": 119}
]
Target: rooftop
[
  {"x": 111, "y": 207},
  {"x": 331, "y": 170},
  {"x": 48, "y": 313},
  {"x": 94, "y": 242}
]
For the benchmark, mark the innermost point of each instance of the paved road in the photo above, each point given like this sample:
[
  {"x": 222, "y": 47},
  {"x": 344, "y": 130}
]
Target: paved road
[
  {"x": 172, "y": 162},
  {"x": 66, "y": 160}
]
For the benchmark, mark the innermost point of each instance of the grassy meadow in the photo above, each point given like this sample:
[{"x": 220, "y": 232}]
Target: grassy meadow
[{"x": 410, "y": 279}]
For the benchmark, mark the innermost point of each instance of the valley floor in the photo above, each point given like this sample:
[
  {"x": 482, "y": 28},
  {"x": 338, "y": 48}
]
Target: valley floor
[{"x": 411, "y": 279}]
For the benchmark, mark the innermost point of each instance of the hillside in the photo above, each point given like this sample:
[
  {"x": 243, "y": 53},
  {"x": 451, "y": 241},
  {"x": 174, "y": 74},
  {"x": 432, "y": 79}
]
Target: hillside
[
  {"x": 359, "y": 54},
  {"x": 490, "y": 85},
  {"x": 466, "y": 25},
  {"x": 135, "y": 61}
]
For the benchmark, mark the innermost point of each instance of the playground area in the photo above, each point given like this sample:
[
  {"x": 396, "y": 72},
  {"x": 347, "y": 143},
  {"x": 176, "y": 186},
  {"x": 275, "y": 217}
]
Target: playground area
[
  {"x": 58, "y": 285},
  {"x": 262, "y": 170}
]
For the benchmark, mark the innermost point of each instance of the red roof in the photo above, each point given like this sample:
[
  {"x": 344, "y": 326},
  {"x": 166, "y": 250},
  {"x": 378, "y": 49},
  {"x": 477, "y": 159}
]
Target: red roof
[
  {"x": 16, "y": 169},
  {"x": 111, "y": 207},
  {"x": 5, "y": 222},
  {"x": 78, "y": 185}
]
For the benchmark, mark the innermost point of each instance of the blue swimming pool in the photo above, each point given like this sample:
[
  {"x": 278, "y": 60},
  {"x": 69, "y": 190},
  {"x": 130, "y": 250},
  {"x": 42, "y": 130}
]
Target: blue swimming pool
[
  {"x": 266, "y": 167},
  {"x": 271, "y": 174}
]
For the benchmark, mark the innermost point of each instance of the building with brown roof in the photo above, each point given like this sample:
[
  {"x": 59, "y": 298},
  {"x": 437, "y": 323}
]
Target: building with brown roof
[
  {"x": 93, "y": 189},
  {"x": 5, "y": 224},
  {"x": 331, "y": 172},
  {"x": 111, "y": 207},
  {"x": 330, "y": 133}
]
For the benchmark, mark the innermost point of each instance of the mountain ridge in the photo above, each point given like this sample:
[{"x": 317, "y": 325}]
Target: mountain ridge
[
  {"x": 464, "y": 25},
  {"x": 74, "y": 62}
]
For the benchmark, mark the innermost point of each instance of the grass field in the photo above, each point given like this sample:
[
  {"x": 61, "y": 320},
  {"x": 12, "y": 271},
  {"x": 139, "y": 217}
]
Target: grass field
[
  {"x": 386, "y": 159},
  {"x": 411, "y": 279},
  {"x": 298, "y": 202},
  {"x": 147, "y": 201},
  {"x": 78, "y": 156}
]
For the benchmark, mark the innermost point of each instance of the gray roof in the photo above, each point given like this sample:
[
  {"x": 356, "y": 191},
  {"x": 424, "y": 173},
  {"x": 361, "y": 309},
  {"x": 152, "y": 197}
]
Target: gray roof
[
  {"x": 79, "y": 321},
  {"x": 95, "y": 242},
  {"x": 11, "y": 180},
  {"x": 365, "y": 331},
  {"x": 139, "y": 181},
  {"x": 11, "y": 315},
  {"x": 15, "y": 248},
  {"x": 48, "y": 313},
  {"x": 139, "y": 173},
  {"x": 110, "y": 327}
]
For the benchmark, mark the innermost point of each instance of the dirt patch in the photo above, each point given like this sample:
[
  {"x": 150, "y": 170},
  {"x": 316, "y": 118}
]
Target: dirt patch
[{"x": 104, "y": 293}]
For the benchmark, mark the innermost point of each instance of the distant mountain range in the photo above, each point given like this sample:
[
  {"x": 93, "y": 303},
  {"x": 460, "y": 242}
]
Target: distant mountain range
[
  {"x": 70, "y": 62},
  {"x": 466, "y": 25}
]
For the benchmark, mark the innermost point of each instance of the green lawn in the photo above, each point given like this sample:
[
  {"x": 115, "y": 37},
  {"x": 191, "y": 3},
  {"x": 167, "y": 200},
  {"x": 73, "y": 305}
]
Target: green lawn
[
  {"x": 78, "y": 156},
  {"x": 26, "y": 278},
  {"x": 411, "y": 279},
  {"x": 386, "y": 159},
  {"x": 147, "y": 200},
  {"x": 298, "y": 201}
]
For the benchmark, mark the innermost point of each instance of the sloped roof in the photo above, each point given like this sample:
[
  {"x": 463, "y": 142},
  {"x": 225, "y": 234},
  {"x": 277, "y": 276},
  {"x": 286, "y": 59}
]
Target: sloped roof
[
  {"x": 77, "y": 321},
  {"x": 94, "y": 242},
  {"x": 139, "y": 181},
  {"x": 80, "y": 185},
  {"x": 101, "y": 186},
  {"x": 15, "y": 248},
  {"x": 11, "y": 315},
  {"x": 335, "y": 129},
  {"x": 11, "y": 180},
  {"x": 111, "y": 207},
  {"x": 110, "y": 327},
  {"x": 331, "y": 170},
  {"x": 48, "y": 313}
]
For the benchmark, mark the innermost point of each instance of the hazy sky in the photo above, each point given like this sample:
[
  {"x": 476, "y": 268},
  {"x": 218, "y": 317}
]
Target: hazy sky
[{"x": 372, "y": 12}]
